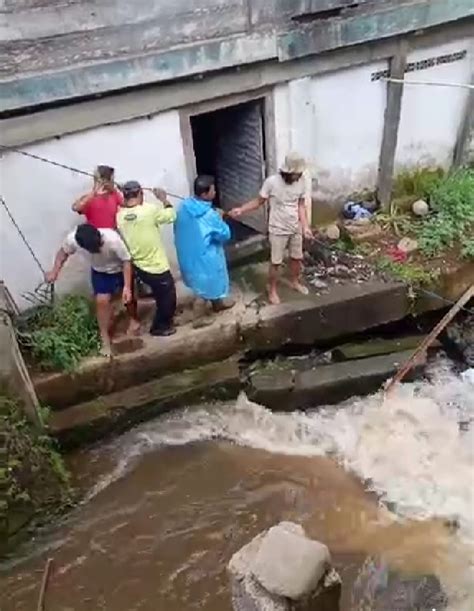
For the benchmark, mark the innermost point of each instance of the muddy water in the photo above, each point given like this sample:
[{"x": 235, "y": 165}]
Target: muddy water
[{"x": 169, "y": 503}]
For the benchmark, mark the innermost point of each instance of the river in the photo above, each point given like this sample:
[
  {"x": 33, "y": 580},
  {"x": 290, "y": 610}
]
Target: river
[{"x": 385, "y": 484}]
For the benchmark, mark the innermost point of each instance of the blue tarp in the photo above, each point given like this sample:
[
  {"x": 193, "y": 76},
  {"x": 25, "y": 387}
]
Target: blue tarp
[{"x": 200, "y": 234}]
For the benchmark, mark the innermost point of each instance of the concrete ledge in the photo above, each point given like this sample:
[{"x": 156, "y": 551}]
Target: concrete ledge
[
  {"x": 327, "y": 384},
  {"x": 160, "y": 356},
  {"x": 313, "y": 320},
  {"x": 343, "y": 311},
  {"x": 119, "y": 411}
]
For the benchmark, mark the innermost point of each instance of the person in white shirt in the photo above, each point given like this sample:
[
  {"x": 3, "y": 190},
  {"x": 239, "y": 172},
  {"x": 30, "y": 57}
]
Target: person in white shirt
[
  {"x": 111, "y": 274},
  {"x": 287, "y": 223}
]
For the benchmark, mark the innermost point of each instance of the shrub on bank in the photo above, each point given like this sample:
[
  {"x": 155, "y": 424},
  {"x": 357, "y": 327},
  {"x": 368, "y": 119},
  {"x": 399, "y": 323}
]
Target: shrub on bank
[
  {"x": 33, "y": 478},
  {"x": 59, "y": 336}
]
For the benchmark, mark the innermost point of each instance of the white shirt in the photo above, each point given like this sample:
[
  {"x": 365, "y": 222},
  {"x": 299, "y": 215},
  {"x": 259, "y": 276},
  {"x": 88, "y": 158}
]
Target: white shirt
[
  {"x": 284, "y": 204},
  {"x": 111, "y": 256}
]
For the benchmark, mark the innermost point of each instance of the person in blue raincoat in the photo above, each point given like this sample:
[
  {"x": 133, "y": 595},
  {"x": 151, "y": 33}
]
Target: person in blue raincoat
[{"x": 200, "y": 235}]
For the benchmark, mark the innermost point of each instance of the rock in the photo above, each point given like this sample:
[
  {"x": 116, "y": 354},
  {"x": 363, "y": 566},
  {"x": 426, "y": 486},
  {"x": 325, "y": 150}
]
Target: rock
[
  {"x": 332, "y": 232},
  {"x": 458, "y": 339},
  {"x": 317, "y": 283},
  {"x": 380, "y": 589},
  {"x": 407, "y": 245},
  {"x": 270, "y": 555},
  {"x": 288, "y": 564},
  {"x": 363, "y": 232},
  {"x": 420, "y": 208}
]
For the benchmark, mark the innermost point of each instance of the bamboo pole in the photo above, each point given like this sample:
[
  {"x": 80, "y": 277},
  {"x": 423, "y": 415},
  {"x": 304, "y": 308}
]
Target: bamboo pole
[
  {"x": 44, "y": 585},
  {"x": 429, "y": 339}
]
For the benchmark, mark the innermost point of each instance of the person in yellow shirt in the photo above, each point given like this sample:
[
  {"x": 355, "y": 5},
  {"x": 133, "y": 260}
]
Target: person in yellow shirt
[{"x": 138, "y": 222}]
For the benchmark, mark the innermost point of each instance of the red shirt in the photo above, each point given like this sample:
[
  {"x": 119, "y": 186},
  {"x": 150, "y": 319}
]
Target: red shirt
[{"x": 101, "y": 210}]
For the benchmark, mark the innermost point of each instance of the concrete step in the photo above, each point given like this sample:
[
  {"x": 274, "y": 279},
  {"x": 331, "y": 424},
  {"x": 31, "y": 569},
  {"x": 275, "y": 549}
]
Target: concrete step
[
  {"x": 119, "y": 411},
  {"x": 378, "y": 347},
  {"x": 285, "y": 390}
]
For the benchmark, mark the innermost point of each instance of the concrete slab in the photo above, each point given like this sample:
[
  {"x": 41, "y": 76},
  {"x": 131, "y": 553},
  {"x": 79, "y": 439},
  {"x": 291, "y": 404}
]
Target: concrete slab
[
  {"x": 250, "y": 327},
  {"x": 119, "y": 411},
  {"x": 326, "y": 384}
]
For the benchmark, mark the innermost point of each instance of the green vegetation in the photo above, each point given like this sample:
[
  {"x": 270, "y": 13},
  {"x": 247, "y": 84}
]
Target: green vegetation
[
  {"x": 411, "y": 274},
  {"x": 34, "y": 480},
  {"x": 395, "y": 220},
  {"x": 59, "y": 336},
  {"x": 452, "y": 223},
  {"x": 417, "y": 184}
]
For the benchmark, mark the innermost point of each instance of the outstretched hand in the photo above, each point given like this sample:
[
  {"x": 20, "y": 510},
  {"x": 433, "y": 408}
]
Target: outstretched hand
[
  {"x": 160, "y": 194},
  {"x": 51, "y": 277},
  {"x": 235, "y": 213}
]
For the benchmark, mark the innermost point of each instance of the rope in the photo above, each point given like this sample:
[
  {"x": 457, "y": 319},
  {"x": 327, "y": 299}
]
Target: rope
[
  {"x": 432, "y": 83},
  {"x": 22, "y": 236},
  {"x": 180, "y": 197},
  {"x": 67, "y": 167}
]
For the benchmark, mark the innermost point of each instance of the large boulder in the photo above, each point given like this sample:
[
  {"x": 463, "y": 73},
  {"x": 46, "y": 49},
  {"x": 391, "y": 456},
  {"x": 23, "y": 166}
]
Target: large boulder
[{"x": 282, "y": 570}]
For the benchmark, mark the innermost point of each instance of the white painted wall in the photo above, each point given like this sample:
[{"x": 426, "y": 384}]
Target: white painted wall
[
  {"x": 40, "y": 195},
  {"x": 336, "y": 121},
  {"x": 431, "y": 116}
]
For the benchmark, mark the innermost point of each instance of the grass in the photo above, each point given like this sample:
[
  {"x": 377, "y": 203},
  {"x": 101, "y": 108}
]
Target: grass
[
  {"x": 59, "y": 336},
  {"x": 452, "y": 220},
  {"x": 409, "y": 273},
  {"x": 418, "y": 183}
]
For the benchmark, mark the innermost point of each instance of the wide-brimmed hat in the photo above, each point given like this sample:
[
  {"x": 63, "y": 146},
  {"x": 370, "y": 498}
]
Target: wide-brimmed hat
[{"x": 293, "y": 164}]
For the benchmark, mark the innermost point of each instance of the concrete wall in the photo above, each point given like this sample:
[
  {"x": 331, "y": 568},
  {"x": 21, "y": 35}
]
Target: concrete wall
[
  {"x": 336, "y": 121},
  {"x": 431, "y": 116},
  {"x": 40, "y": 195},
  {"x": 52, "y": 51}
]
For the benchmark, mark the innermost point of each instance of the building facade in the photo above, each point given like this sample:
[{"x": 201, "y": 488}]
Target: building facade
[{"x": 164, "y": 89}]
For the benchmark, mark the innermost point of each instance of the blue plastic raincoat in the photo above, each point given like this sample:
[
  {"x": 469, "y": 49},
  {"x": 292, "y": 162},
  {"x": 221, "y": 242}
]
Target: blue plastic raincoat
[{"x": 200, "y": 234}]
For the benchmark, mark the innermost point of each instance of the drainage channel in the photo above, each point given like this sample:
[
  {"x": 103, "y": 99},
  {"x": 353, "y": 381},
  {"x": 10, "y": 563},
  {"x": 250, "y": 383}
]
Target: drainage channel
[{"x": 168, "y": 503}]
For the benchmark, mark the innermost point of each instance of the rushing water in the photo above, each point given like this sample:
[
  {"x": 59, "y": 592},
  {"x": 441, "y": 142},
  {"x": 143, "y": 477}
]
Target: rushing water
[{"x": 171, "y": 501}]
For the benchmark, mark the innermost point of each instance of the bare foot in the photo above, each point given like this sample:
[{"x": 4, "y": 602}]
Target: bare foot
[
  {"x": 300, "y": 288},
  {"x": 273, "y": 297},
  {"x": 134, "y": 328},
  {"x": 106, "y": 350}
]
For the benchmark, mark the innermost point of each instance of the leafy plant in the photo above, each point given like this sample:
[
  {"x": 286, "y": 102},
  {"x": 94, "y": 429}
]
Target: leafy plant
[
  {"x": 418, "y": 183},
  {"x": 453, "y": 220},
  {"x": 407, "y": 272},
  {"x": 58, "y": 337},
  {"x": 467, "y": 248},
  {"x": 395, "y": 220}
]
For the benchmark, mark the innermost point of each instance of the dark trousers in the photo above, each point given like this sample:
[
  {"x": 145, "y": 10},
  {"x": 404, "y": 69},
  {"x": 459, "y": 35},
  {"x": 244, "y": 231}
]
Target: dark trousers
[{"x": 164, "y": 293}]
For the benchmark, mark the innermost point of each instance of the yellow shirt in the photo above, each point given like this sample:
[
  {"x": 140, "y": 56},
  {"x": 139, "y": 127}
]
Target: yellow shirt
[{"x": 140, "y": 229}]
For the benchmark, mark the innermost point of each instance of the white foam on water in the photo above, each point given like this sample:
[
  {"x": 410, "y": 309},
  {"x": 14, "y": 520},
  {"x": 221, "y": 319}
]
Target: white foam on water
[{"x": 410, "y": 446}]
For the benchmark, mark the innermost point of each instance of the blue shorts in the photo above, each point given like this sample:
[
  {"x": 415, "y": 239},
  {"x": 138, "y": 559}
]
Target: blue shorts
[{"x": 106, "y": 284}]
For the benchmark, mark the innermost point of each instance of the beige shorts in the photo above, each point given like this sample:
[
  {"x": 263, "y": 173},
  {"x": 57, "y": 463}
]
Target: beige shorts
[{"x": 279, "y": 243}]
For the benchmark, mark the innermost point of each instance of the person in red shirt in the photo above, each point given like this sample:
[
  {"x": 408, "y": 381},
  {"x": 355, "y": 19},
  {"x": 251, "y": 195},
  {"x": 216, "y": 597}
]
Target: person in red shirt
[{"x": 100, "y": 206}]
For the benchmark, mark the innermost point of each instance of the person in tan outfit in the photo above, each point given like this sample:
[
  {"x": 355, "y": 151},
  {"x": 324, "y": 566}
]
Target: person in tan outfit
[{"x": 287, "y": 224}]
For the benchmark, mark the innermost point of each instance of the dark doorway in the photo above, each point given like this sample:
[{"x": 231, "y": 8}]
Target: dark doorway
[{"x": 229, "y": 144}]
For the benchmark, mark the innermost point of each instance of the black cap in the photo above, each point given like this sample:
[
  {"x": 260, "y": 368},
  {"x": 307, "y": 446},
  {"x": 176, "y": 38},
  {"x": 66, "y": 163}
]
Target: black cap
[{"x": 131, "y": 188}]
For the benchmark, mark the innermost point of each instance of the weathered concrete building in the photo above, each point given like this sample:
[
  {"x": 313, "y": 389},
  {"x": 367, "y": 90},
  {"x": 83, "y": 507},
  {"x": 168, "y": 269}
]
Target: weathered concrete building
[{"x": 161, "y": 89}]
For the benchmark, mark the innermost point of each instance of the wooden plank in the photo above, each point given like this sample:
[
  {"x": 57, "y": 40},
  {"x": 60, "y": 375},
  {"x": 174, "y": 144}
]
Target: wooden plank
[{"x": 393, "y": 109}]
